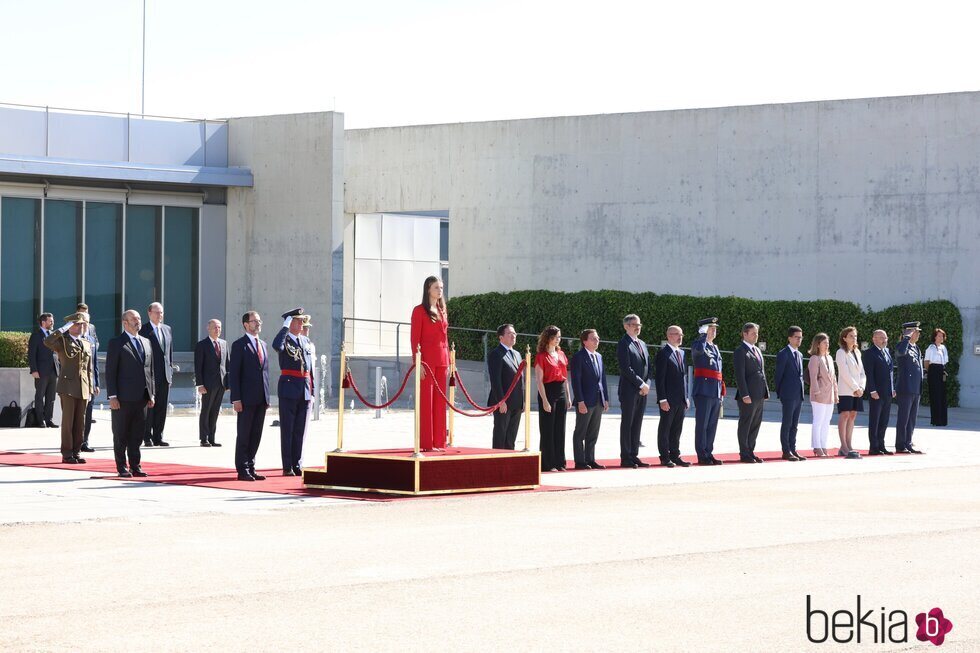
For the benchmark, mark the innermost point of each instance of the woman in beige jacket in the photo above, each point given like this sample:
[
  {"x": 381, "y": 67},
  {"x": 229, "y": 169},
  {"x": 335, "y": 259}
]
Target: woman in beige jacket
[
  {"x": 851, "y": 383},
  {"x": 823, "y": 391}
]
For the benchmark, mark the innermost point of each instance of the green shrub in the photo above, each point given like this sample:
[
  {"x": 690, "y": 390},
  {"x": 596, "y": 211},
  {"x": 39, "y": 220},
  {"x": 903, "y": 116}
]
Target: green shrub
[
  {"x": 13, "y": 349},
  {"x": 531, "y": 310}
]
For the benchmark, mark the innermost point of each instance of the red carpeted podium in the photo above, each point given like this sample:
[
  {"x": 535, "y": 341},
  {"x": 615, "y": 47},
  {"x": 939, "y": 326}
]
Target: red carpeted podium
[{"x": 456, "y": 470}]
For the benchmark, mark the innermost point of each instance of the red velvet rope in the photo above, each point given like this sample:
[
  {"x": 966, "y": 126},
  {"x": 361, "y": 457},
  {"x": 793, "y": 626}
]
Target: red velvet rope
[
  {"x": 481, "y": 410},
  {"x": 350, "y": 379}
]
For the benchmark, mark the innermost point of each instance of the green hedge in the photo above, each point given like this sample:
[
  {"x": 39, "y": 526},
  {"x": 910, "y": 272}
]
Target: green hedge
[
  {"x": 13, "y": 349},
  {"x": 531, "y": 310}
]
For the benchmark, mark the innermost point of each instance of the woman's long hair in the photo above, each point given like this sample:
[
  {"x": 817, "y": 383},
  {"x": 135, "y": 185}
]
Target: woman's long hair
[
  {"x": 815, "y": 343},
  {"x": 545, "y": 338},
  {"x": 843, "y": 343},
  {"x": 440, "y": 308}
]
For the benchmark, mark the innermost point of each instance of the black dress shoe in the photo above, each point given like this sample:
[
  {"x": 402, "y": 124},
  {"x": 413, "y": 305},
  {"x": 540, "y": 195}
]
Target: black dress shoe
[
  {"x": 124, "y": 473},
  {"x": 680, "y": 462},
  {"x": 87, "y": 449},
  {"x": 288, "y": 472},
  {"x": 139, "y": 472},
  {"x": 582, "y": 467},
  {"x": 79, "y": 460},
  {"x": 640, "y": 463},
  {"x": 205, "y": 443},
  {"x": 258, "y": 477},
  {"x": 50, "y": 424},
  {"x": 213, "y": 443},
  {"x": 887, "y": 452},
  {"x": 628, "y": 465},
  {"x": 666, "y": 463},
  {"x": 897, "y": 450},
  {"x": 161, "y": 443},
  {"x": 246, "y": 477},
  {"x": 70, "y": 460},
  {"x": 299, "y": 471},
  {"x": 596, "y": 466},
  {"x": 746, "y": 459},
  {"x": 911, "y": 450},
  {"x": 147, "y": 443},
  {"x": 873, "y": 452},
  {"x": 715, "y": 461},
  {"x": 789, "y": 456},
  {"x": 757, "y": 459},
  {"x": 704, "y": 462},
  {"x": 798, "y": 456}
]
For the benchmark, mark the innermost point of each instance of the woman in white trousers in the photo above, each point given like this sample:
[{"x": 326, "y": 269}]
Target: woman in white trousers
[{"x": 823, "y": 391}]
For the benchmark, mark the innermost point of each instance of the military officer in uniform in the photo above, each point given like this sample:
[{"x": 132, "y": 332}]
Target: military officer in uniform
[
  {"x": 708, "y": 391},
  {"x": 908, "y": 386},
  {"x": 295, "y": 388},
  {"x": 74, "y": 383}
]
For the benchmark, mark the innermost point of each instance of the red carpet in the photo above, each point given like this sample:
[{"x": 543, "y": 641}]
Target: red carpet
[{"x": 212, "y": 477}]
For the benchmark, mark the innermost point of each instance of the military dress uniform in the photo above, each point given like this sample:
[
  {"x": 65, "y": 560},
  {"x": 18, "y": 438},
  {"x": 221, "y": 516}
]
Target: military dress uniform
[
  {"x": 708, "y": 392},
  {"x": 75, "y": 385},
  {"x": 908, "y": 386},
  {"x": 296, "y": 387}
]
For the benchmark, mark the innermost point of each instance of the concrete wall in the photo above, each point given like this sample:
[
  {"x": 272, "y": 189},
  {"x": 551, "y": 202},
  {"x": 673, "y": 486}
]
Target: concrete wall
[
  {"x": 283, "y": 232},
  {"x": 875, "y": 201}
]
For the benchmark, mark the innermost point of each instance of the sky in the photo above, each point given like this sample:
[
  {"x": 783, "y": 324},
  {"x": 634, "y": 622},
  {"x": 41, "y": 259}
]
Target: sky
[{"x": 390, "y": 62}]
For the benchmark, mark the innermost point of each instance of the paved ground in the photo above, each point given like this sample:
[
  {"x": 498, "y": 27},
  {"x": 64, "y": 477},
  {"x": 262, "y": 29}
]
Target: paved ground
[{"x": 717, "y": 559}]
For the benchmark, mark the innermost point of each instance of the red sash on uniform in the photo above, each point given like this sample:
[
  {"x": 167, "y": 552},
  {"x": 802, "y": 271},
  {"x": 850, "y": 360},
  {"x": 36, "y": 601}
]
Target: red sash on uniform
[{"x": 711, "y": 374}]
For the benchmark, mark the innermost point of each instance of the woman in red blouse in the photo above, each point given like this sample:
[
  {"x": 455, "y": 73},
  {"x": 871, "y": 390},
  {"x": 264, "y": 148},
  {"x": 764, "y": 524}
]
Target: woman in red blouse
[
  {"x": 430, "y": 327},
  {"x": 551, "y": 372}
]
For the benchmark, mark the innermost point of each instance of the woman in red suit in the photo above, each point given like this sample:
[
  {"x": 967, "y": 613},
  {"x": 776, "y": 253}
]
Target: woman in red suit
[{"x": 430, "y": 327}]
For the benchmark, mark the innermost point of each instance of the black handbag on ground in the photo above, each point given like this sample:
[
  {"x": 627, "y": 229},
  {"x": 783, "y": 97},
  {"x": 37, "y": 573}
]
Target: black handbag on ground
[
  {"x": 10, "y": 416},
  {"x": 30, "y": 422}
]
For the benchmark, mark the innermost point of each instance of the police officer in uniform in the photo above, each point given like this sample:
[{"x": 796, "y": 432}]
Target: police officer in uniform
[
  {"x": 908, "y": 386},
  {"x": 295, "y": 388},
  {"x": 709, "y": 389}
]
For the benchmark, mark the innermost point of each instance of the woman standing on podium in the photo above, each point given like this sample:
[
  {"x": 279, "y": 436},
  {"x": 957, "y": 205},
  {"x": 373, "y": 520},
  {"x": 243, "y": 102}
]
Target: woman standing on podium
[{"x": 430, "y": 328}]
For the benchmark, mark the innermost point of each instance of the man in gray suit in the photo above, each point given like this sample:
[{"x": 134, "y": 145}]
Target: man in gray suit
[
  {"x": 750, "y": 377},
  {"x": 502, "y": 365}
]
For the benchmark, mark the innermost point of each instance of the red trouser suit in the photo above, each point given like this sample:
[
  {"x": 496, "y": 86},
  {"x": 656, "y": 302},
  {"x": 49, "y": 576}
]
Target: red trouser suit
[{"x": 432, "y": 337}]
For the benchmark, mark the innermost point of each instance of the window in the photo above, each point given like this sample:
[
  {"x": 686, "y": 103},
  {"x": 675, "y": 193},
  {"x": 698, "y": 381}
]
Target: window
[
  {"x": 180, "y": 244},
  {"x": 62, "y": 257},
  {"x": 103, "y": 262},
  {"x": 20, "y": 223},
  {"x": 143, "y": 224}
]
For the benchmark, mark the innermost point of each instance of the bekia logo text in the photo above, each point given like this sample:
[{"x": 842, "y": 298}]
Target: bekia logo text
[{"x": 879, "y": 626}]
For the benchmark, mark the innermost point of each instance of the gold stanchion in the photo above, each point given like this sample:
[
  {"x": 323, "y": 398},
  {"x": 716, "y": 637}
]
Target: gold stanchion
[
  {"x": 527, "y": 398},
  {"x": 418, "y": 402},
  {"x": 452, "y": 391},
  {"x": 340, "y": 397}
]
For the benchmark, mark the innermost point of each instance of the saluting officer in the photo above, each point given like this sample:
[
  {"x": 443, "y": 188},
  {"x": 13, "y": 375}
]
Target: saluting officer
[
  {"x": 295, "y": 388},
  {"x": 709, "y": 389},
  {"x": 908, "y": 386},
  {"x": 74, "y": 383}
]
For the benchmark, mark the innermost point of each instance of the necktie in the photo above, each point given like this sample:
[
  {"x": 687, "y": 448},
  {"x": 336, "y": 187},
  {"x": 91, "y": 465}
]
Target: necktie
[
  {"x": 758, "y": 353},
  {"x": 217, "y": 349},
  {"x": 595, "y": 363},
  {"x": 680, "y": 359},
  {"x": 139, "y": 348}
]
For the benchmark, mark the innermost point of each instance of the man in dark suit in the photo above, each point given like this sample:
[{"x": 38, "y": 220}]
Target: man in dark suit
[
  {"x": 44, "y": 369},
  {"x": 502, "y": 365},
  {"x": 789, "y": 389},
  {"x": 590, "y": 397},
  {"x": 634, "y": 386},
  {"x": 295, "y": 389},
  {"x": 248, "y": 380},
  {"x": 881, "y": 390},
  {"x": 708, "y": 391},
  {"x": 672, "y": 398},
  {"x": 162, "y": 341},
  {"x": 89, "y": 334},
  {"x": 908, "y": 386},
  {"x": 753, "y": 390},
  {"x": 211, "y": 376},
  {"x": 130, "y": 386}
]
